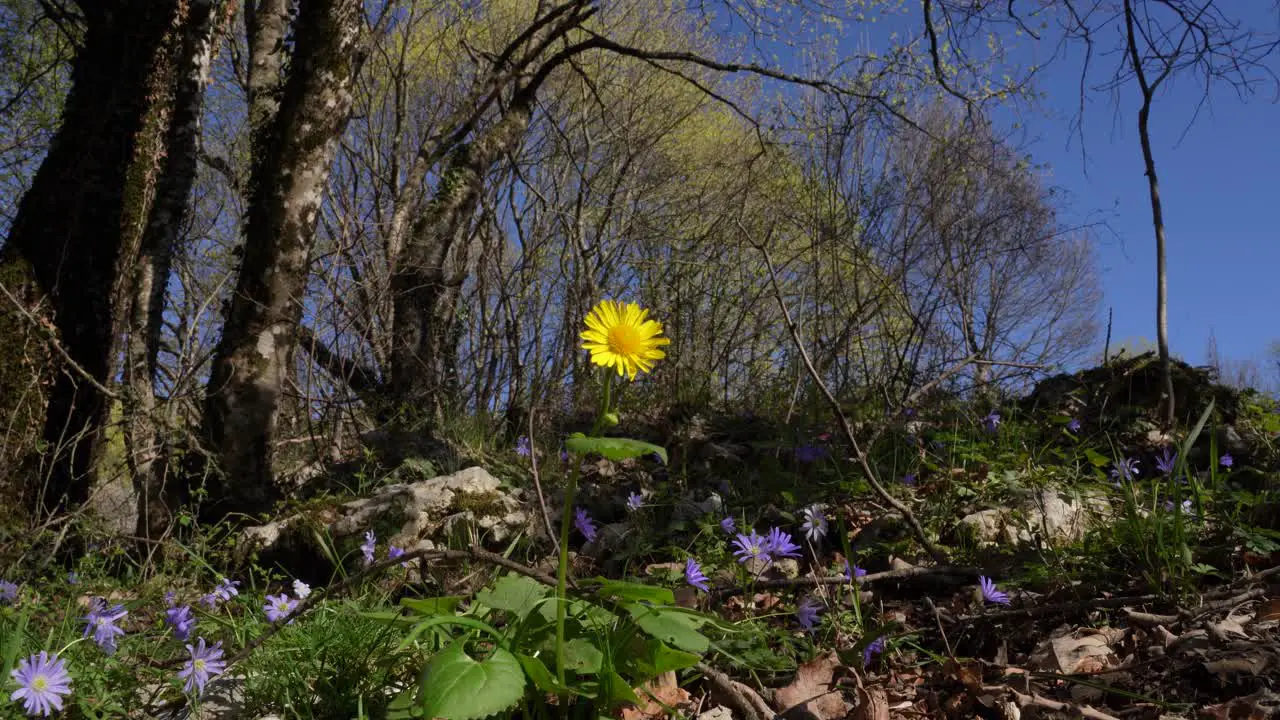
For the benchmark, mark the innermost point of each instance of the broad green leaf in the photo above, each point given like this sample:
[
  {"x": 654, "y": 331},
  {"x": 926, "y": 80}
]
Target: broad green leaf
[
  {"x": 539, "y": 674},
  {"x": 617, "y": 689},
  {"x": 582, "y": 656},
  {"x": 513, "y": 593},
  {"x": 613, "y": 448},
  {"x": 635, "y": 591},
  {"x": 404, "y": 705},
  {"x": 432, "y": 606},
  {"x": 456, "y": 687},
  {"x": 588, "y": 614},
  {"x": 671, "y": 626},
  {"x": 665, "y": 659},
  {"x": 1096, "y": 458}
]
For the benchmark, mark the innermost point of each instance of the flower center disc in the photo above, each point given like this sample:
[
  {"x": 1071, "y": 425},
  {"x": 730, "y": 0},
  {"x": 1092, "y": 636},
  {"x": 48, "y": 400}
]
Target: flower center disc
[
  {"x": 40, "y": 683},
  {"x": 624, "y": 340}
]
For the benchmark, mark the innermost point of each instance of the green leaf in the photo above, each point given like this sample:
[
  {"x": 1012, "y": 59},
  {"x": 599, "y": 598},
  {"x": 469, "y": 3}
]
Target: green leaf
[
  {"x": 619, "y": 690},
  {"x": 635, "y": 591},
  {"x": 432, "y": 606},
  {"x": 539, "y": 674},
  {"x": 1096, "y": 458},
  {"x": 666, "y": 659},
  {"x": 613, "y": 448},
  {"x": 671, "y": 625},
  {"x": 455, "y": 687},
  {"x": 582, "y": 656},
  {"x": 513, "y": 593}
]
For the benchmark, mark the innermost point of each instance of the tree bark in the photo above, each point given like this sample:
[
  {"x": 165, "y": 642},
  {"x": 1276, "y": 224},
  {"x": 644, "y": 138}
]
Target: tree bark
[
  {"x": 296, "y": 133},
  {"x": 193, "y": 54},
  {"x": 71, "y": 226}
]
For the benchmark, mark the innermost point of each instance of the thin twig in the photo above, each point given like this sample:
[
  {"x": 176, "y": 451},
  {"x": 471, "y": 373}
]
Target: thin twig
[
  {"x": 537, "y": 486},
  {"x": 1044, "y": 702}
]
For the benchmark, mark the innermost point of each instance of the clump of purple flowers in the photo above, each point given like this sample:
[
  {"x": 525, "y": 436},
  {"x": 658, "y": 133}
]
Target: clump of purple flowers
[
  {"x": 205, "y": 662},
  {"x": 42, "y": 683},
  {"x": 1125, "y": 469},
  {"x": 990, "y": 593},
  {"x": 394, "y": 552},
  {"x": 810, "y": 453},
  {"x": 585, "y": 524},
  {"x": 779, "y": 544},
  {"x": 693, "y": 575},
  {"x": 523, "y": 449},
  {"x": 101, "y": 623},
  {"x": 181, "y": 620},
  {"x": 807, "y": 613},
  {"x": 751, "y": 547},
  {"x": 369, "y": 545},
  {"x": 8, "y": 592},
  {"x": 279, "y": 606},
  {"x": 873, "y": 648},
  {"x": 1166, "y": 461}
]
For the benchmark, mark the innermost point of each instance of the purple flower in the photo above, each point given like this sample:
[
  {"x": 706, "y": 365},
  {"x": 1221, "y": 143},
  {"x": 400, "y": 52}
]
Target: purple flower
[
  {"x": 779, "y": 544},
  {"x": 101, "y": 622},
  {"x": 751, "y": 547},
  {"x": 226, "y": 589},
  {"x": 73, "y": 578},
  {"x": 170, "y": 598},
  {"x": 635, "y": 501},
  {"x": 991, "y": 422},
  {"x": 909, "y": 480},
  {"x": 810, "y": 453},
  {"x": 1125, "y": 469},
  {"x": 42, "y": 683},
  {"x": 807, "y": 613},
  {"x": 1226, "y": 460},
  {"x": 873, "y": 648},
  {"x": 851, "y": 572},
  {"x": 181, "y": 620},
  {"x": 1074, "y": 425},
  {"x": 564, "y": 455},
  {"x": 394, "y": 552},
  {"x": 301, "y": 589},
  {"x": 693, "y": 575},
  {"x": 1188, "y": 507},
  {"x": 8, "y": 592},
  {"x": 205, "y": 662},
  {"x": 815, "y": 524},
  {"x": 279, "y": 606},
  {"x": 585, "y": 524},
  {"x": 367, "y": 548},
  {"x": 728, "y": 525},
  {"x": 990, "y": 593},
  {"x": 522, "y": 446},
  {"x": 1166, "y": 461},
  {"x": 210, "y": 600}
]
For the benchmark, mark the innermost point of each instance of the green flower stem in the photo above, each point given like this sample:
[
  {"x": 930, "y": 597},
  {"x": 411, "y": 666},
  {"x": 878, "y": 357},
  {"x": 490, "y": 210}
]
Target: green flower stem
[{"x": 566, "y": 522}]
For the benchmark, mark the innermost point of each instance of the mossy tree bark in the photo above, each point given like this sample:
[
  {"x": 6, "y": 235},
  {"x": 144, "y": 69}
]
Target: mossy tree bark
[
  {"x": 297, "y": 117},
  {"x": 72, "y": 226}
]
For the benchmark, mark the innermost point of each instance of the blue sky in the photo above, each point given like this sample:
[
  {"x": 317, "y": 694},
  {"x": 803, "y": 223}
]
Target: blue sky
[{"x": 1220, "y": 183}]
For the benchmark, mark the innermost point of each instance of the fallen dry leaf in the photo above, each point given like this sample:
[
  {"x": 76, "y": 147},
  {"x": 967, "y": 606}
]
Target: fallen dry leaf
[
  {"x": 812, "y": 689},
  {"x": 1083, "y": 651},
  {"x": 1262, "y": 705},
  {"x": 656, "y": 696}
]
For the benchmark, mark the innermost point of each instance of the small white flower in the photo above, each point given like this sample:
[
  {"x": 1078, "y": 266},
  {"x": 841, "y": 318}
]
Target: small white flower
[
  {"x": 301, "y": 589},
  {"x": 815, "y": 523}
]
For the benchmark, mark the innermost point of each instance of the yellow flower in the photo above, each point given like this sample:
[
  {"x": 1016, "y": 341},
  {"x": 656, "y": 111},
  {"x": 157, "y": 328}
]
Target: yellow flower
[{"x": 621, "y": 337}]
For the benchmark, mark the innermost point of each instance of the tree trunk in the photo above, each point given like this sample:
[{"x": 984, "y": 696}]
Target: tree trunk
[
  {"x": 192, "y": 59},
  {"x": 428, "y": 274},
  {"x": 71, "y": 228},
  {"x": 296, "y": 133}
]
